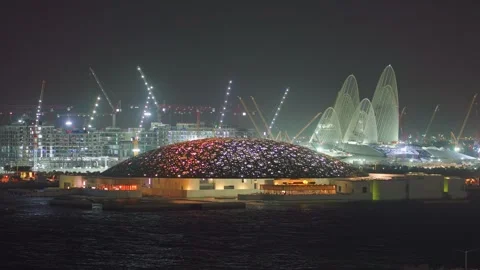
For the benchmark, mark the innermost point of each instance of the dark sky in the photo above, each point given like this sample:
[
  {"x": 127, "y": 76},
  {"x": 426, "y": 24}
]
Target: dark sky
[{"x": 189, "y": 51}]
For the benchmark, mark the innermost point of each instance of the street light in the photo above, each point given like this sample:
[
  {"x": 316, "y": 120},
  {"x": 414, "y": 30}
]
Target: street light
[{"x": 466, "y": 255}]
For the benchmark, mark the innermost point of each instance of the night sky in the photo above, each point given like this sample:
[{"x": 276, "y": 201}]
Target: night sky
[{"x": 189, "y": 51}]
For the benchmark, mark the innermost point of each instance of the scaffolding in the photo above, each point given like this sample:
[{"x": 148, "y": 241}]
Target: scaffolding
[{"x": 95, "y": 149}]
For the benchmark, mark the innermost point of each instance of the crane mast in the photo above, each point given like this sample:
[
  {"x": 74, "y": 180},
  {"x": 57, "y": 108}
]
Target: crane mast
[
  {"x": 225, "y": 102},
  {"x": 400, "y": 121},
  {"x": 287, "y": 137},
  {"x": 305, "y": 127},
  {"x": 250, "y": 116},
  {"x": 430, "y": 123},
  {"x": 459, "y": 136},
  {"x": 114, "y": 110},
  {"x": 149, "y": 96},
  {"x": 94, "y": 111},
  {"x": 269, "y": 132},
  {"x": 278, "y": 109},
  {"x": 37, "y": 130}
]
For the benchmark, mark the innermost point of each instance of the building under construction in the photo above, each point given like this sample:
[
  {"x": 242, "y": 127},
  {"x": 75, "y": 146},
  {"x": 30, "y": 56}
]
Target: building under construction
[
  {"x": 73, "y": 141},
  {"x": 63, "y": 149}
]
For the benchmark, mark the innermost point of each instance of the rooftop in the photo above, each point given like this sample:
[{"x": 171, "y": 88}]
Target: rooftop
[{"x": 231, "y": 158}]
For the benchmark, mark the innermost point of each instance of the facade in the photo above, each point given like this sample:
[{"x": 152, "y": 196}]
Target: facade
[
  {"x": 62, "y": 149},
  {"x": 362, "y": 122},
  {"x": 217, "y": 167},
  {"x": 386, "y": 188}
]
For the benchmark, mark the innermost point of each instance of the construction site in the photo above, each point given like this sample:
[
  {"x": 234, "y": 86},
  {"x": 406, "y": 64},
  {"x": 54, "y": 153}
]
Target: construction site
[
  {"x": 64, "y": 138},
  {"x": 60, "y": 138}
]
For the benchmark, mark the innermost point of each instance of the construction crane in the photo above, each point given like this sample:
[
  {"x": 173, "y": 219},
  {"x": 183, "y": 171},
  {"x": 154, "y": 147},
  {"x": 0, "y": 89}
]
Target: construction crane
[
  {"x": 400, "y": 120},
  {"x": 269, "y": 132},
  {"x": 452, "y": 136},
  {"x": 94, "y": 111},
  {"x": 115, "y": 110},
  {"x": 150, "y": 96},
  {"x": 459, "y": 136},
  {"x": 279, "y": 136},
  {"x": 430, "y": 123},
  {"x": 250, "y": 116},
  {"x": 305, "y": 127},
  {"x": 278, "y": 108},
  {"x": 224, "y": 106},
  {"x": 287, "y": 137},
  {"x": 404, "y": 112},
  {"x": 37, "y": 130}
]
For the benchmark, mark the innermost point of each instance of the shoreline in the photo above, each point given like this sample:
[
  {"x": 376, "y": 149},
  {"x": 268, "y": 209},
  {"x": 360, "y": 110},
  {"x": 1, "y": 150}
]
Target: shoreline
[{"x": 142, "y": 205}]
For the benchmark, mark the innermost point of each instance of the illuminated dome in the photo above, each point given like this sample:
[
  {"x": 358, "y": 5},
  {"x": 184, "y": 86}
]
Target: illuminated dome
[{"x": 231, "y": 158}]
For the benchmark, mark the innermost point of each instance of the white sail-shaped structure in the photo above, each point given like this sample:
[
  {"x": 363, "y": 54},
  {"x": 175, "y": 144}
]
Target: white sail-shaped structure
[
  {"x": 347, "y": 101},
  {"x": 363, "y": 121},
  {"x": 386, "y": 107},
  {"x": 328, "y": 130},
  {"x": 363, "y": 127}
]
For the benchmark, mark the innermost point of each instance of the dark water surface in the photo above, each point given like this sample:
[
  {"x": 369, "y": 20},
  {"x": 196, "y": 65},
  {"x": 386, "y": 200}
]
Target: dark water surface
[{"x": 376, "y": 236}]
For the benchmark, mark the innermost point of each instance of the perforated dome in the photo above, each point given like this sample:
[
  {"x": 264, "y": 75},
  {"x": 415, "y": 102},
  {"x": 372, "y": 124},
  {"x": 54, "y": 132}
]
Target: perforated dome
[{"x": 231, "y": 158}]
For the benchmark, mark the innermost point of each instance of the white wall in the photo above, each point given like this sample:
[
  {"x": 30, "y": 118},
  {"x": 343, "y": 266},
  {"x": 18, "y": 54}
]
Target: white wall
[
  {"x": 344, "y": 186},
  {"x": 456, "y": 187},
  {"x": 425, "y": 186},
  {"x": 391, "y": 189}
]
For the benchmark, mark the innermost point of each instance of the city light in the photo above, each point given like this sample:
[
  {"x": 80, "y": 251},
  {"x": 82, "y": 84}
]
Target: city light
[
  {"x": 278, "y": 109},
  {"x": 224, "y": 109},
  {"x": 94, "y": 111},
  {"x": 68, "y": 123},
  {"x": 149, "y": 96}
]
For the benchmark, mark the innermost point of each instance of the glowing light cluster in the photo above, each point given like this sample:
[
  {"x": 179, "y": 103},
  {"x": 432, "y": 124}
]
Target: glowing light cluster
[
  {"x": 37, "y": 129},
  {"x": 278, "y": 109},
  {"x": 231, "y": 158},
  {"x": 39, "y": 107},
  {"x": 94, "y": 112},
  {"x": 150, "y": 97},
  {"x": 37, "y": 116},
  {"x": 224, "y": 106}
]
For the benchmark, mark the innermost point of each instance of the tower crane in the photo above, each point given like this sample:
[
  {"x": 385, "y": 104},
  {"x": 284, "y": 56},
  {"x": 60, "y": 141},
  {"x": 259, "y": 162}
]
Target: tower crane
[
  {"x": 404, "y": 112},
  {"x": 224, "y": 106},
  {"x": 400, "y": 119},
  {"x": 278, "y": 108},
  {"x": 459, "y": 136},
  {"x": 452, "y": 136},
  {"x": 37, "y": 130},
  {"x": 250, "y": 116},
  {"x": 115, "y": 110},
  {"x": 150, "y": 96},
  {"x": 94, "y": 112},
  {"x": 279, "y": 136},
  {"x": 287, "y": 137},
  {"x": 305, "y": 127},
  {"x": 430, "y": 123},
  {"x": 269, "y": 132}
]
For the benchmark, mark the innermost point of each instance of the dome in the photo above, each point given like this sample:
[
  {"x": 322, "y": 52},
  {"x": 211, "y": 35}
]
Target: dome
[{"x": 231, "y": 158}]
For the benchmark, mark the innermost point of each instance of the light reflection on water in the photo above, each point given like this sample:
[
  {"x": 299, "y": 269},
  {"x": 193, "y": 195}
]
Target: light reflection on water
[{"x": 263, "y": 236}]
